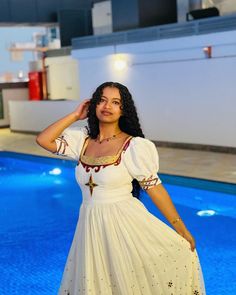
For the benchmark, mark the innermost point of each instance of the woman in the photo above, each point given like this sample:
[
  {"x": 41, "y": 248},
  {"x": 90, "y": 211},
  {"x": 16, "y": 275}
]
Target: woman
[{"x": 119, "y": 247}]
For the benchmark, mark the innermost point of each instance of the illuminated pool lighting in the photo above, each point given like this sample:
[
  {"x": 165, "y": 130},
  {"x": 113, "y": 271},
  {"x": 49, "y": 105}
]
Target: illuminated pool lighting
[
  {"x": 206, "y": 213},
  {"x": 55, "y": 171}
]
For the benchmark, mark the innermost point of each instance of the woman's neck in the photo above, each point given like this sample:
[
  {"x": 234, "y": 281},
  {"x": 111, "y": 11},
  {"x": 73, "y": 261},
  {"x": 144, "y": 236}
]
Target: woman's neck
[{"x": 108, "y": 130}]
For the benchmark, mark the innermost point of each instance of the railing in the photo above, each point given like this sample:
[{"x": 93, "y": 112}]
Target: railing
[
  {"x": 58, "y": 52},
  {"x": 196, "y": 27}
]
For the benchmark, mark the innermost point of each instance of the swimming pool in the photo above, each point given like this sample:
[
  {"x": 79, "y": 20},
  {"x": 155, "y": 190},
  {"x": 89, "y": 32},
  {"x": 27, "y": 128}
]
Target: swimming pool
[{"x": 40, "y": 199}]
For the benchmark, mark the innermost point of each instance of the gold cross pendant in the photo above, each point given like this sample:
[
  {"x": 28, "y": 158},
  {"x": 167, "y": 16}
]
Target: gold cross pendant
[{"x": 91, "y": 184}]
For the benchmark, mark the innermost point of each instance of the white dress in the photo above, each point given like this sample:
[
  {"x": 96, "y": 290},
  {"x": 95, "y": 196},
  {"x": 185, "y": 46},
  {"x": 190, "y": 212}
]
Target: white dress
[{"x": 119, "y": 247}]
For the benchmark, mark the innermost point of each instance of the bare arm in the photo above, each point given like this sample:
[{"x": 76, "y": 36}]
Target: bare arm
[
  {"x": 162, "y": 200},
  {"x": 46, "y": 138}
]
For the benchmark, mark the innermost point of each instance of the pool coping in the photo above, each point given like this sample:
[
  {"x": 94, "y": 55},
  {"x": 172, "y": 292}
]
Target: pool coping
[{"x": 194, "y": 182}]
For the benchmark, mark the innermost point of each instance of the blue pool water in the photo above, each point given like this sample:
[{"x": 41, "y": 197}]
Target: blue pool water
[{"x": 39, "y": 212}]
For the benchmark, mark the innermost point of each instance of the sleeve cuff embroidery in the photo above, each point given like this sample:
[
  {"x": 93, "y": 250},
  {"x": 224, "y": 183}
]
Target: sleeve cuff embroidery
[
  {"x": 149, "y": 182},
  {"x": 62, "y": 145}
]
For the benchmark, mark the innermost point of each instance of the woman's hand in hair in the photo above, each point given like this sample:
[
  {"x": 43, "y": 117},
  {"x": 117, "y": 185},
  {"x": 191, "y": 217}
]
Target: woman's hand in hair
[{"x": 81, "y": 112}]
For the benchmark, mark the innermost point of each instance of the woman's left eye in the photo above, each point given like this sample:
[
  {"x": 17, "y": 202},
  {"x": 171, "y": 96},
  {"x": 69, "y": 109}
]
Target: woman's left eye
[{"x": 116, "y": 102}]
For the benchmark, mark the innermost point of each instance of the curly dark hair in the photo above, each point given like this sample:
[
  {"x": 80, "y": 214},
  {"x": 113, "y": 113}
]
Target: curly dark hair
[{"x": 128, "y": 122}]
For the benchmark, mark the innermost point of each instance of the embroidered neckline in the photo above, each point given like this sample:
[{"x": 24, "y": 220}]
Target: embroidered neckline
[
  {"x": 99, "y": 160},
  {"x": 102, "y": 160}
]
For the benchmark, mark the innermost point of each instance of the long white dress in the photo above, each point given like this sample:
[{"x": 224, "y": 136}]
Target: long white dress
[{"x": 119, "y": 247}]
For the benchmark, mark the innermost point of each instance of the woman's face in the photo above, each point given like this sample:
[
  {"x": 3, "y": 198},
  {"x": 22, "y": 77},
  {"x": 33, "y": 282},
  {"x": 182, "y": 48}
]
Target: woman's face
[{"x": 108, "y": 108}]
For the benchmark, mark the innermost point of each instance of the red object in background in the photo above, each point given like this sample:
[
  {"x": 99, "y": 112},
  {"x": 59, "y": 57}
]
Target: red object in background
[
  {"x": 35, "y": 86},
  {"x": 208, "y": 51}
]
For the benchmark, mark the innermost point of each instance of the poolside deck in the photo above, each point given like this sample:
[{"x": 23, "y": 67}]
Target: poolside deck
[{"x": 175, "y": 161}]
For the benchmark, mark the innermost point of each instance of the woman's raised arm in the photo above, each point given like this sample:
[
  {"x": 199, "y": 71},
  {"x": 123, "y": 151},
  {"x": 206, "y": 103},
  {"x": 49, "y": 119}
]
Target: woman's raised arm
[{"x": 46, "y": 138}]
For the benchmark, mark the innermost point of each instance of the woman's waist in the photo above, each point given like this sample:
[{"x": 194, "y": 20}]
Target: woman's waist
[{"x": 105, "y": 196}]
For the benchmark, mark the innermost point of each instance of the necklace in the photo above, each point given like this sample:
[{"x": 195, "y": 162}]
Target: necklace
[{"x": 108, "y": 138}]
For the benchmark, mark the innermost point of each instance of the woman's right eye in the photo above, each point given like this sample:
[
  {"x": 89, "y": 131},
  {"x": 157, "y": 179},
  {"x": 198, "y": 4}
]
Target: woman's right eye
[{"x": 101, "y": 100}]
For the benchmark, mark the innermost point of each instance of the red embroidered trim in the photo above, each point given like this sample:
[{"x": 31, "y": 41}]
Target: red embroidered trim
[
  {"x": 97, "y": 168},
  {"x": 63, "y": 145},
  {"x": 147, "y": 183}
]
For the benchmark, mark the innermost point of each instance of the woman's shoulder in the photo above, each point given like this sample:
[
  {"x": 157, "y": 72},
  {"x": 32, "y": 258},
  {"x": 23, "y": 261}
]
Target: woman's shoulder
[
  {"x": 73, "y": 130},
  {"x": 141, "y": 158},
  {"x": 141, "y": 142},
  {"x": 140, "y": 147},
  {"x": 70, "y": 142},
  {"x": 75, "y": 133}
]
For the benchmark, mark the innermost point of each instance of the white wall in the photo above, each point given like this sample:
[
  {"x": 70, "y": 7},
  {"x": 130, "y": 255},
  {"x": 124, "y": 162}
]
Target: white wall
[
  {"x": 181, "y": 95},
  {"x": 12, "y": 94},
  {"x": 34, "y": 116},
  {"x": 62, "y": 77}
]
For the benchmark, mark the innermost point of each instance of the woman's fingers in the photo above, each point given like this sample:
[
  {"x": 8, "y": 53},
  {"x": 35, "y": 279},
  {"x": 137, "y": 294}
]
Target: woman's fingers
[
  {"x": 86, "y": 101},
  {"x": 188, "y": 237},
  {"x": 192, "y": 243},
  {"x": 82, "y": 109}
]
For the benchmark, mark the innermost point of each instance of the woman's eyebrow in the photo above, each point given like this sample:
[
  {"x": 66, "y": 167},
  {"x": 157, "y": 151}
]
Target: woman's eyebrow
[{"x": 112, "y": 98}]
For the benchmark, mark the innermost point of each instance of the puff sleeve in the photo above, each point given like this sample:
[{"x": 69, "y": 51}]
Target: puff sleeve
[
  {"x": 70, "y": 142},
  {"x": 142, "y": 162}
]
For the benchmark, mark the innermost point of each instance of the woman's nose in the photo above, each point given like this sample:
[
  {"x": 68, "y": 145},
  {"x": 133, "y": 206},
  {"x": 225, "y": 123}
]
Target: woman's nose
[{"x": 107, "y": 104}]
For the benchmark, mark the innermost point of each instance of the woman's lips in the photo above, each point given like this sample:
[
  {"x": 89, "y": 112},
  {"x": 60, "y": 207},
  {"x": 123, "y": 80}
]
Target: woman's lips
[{"x": 106, "y": 113}]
